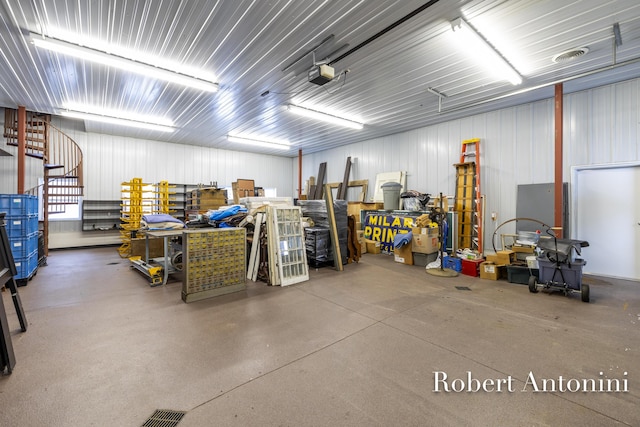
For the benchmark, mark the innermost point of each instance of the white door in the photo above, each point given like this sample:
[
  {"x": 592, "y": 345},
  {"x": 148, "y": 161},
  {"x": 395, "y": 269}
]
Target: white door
[{"x": 606, "y": 213}]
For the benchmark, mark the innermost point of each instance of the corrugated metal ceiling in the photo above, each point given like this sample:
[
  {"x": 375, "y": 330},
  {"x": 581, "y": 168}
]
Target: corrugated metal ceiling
[{"x": 248, "y": 43}]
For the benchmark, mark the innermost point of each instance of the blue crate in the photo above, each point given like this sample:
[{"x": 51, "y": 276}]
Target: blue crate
[
  {"x": 32, "y": 205},
  {"x": 21, "y": 226},
  {"x": 18, "y": 204},
  {"x": 26, "y": 266},
  {"x": 454, "y": 263},
  {"x": 22, "y": 247}
]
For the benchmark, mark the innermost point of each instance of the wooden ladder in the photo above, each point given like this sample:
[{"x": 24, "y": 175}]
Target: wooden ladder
[{"x": 468, "y": 197}]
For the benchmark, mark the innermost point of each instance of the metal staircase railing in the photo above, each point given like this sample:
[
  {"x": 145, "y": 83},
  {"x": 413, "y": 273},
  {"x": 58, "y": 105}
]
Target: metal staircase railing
[{"x": 61, "y": 158}]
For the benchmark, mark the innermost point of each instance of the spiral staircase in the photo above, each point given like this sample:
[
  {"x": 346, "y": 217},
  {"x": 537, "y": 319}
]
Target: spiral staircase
[{"x": 61, "y": 159}]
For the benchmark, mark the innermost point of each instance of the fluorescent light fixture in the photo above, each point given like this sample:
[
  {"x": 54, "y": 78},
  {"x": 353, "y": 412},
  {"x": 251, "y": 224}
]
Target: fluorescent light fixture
[
  {"x": 114, "y": 117},
  {"x": 329, "y": 118},
  {"x": 266, "y": 143},
  {"x": 484, "y": 53},
  {"x": 123, "y": 63}
]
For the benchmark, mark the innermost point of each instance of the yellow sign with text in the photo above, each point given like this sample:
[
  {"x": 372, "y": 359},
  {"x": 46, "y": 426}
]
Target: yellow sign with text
[{"x": 383, "y": 228}]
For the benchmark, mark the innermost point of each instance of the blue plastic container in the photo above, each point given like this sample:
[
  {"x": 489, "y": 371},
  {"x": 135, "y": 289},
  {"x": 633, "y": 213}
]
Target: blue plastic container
[
  {"x": 18, "y": 204},
  {"x": 22, "y": 247},
  {"x": 453, "y": 263},
  {"x": 26, "y": 266},
  {"x": 21, "y": 226}
]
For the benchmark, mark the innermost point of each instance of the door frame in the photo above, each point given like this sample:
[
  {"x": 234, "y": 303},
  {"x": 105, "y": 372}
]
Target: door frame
[{"x": 575, "y": 186}]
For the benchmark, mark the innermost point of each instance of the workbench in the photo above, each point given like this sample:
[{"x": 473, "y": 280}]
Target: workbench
[
  {"x": 165, "y": 235},
  {"x": 150, "y": 266}
]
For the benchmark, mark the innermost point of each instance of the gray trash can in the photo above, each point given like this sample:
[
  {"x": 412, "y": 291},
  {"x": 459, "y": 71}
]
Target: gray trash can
[{"x": 391, "y": 195}]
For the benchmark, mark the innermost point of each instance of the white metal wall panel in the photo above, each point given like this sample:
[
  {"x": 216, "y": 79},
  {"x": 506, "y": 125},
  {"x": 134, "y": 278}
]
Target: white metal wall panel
[
  {"x": 110, "y": 160},
  {"x": 600, "y": 126},
  {"x": 517, "y": 144}
]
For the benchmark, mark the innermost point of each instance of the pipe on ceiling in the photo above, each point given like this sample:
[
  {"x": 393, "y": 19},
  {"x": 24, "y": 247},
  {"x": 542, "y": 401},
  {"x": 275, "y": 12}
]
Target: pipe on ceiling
[
  {"x": 304, "y": 55},
  {"x": 385, "y": 30}
]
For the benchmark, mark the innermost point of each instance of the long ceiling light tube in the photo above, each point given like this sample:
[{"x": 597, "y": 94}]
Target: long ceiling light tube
[
  {"x": 122, "y": 63},
  {"x": 258, "y": 142},
  {"x": 329, "y": 118},
  {"x": 484, "y": 53},
  {"x": 116, "y": 121}
]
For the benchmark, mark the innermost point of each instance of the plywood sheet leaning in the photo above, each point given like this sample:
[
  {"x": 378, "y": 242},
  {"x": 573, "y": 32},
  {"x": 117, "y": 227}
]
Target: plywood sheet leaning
[
  {"x": 342, "y": 188},
  {"x": 363, "y": 183},
  {"x": 254, "y": 258},
  {"x": 383, "y": 178},
  {"x": 355, "y": 250},
  {"x": 320, "y": 182},
  {"x": 272, "y": 252},
  {"x": 331, "y": 217}
]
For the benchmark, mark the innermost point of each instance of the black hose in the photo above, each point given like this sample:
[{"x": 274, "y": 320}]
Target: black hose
[
  {"x": 385, "y": 30},
  {"x": 493, "y": 237}
]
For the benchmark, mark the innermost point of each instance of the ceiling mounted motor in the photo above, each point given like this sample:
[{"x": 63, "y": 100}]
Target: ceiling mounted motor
[{"x": 321, "y": 74}]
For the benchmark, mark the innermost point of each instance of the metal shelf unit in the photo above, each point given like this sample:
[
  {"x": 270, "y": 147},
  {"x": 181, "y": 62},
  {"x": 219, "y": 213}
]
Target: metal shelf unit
[
  {"x": 100, "y": 215},
  {"x": 214, "y": 262}
]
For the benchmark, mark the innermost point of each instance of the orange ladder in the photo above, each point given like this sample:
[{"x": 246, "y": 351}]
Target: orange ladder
[{"x": 468, "y": 197}]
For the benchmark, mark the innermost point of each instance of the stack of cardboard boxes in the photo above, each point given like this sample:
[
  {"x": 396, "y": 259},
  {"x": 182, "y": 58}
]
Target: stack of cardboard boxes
[
  {"x": 204, "y": 199},
  {"x": 423, "y": 243},
  {"x": 242, "y": 188},
  {"x": 494, "y": 267}
]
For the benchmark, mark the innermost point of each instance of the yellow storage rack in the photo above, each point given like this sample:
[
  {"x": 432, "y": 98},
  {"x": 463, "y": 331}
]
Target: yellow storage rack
[
  {"x": 166, "y": 197},
  {"x": 138, "y": 199}
]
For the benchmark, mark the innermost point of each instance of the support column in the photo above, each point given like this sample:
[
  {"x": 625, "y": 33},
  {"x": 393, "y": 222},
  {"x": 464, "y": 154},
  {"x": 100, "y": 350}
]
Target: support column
[
  {"x": 22, "y": 143},
  {"x": 558, "y": 206},
  {"x": 299, "y": 174}
]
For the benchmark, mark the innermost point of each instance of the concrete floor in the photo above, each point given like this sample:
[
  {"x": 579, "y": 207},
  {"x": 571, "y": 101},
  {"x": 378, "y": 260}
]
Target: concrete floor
[{"x": 352, "y": 348}]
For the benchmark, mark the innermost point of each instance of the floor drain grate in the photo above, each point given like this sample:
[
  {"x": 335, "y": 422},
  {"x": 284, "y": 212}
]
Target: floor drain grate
[
  {"x": 463, "y": 288},
  {"x": 164, "y": 418}
]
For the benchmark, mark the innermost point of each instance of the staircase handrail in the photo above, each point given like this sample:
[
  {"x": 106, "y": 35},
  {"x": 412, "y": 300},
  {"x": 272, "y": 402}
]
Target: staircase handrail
[{"x": 58, "y": 153}]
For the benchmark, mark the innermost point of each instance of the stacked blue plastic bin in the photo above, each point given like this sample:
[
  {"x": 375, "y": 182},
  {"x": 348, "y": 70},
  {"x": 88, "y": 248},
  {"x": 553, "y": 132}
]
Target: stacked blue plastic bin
[{"x": 22, "y": 228}]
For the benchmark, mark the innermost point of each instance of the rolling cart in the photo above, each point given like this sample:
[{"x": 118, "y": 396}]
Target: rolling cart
[{"x": 559, "y": 269}]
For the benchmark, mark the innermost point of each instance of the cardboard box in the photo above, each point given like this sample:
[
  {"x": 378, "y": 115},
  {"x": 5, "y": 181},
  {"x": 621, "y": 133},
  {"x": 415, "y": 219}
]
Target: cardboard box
[
  {"x": 242, "y": 188},
  {"x": 354, "y": 208},
  {"x": 425, "y": 240},
  {"x": 523, "y": 249},
  {"x": 361, "y": 241},
  {"x": 502, "y": 257},
  {"x": 139, "y": 248},
  {"x": 403, "y": 255},
  {"x": 204, "y": 199},
  {"x": 491, "y": 271},
  {"x": 372, "y": 247}
]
